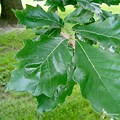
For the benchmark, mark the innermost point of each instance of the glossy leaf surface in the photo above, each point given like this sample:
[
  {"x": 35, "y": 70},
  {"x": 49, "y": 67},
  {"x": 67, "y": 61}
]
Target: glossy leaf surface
[
  {"x": 106, "y": 32},
  {"x": 35, "y": 17},
  {"x": 98, "y": 73},
  {"x": 49, "y": 65},
  {"x": 42, "y": 66},
  {"x": 48, "y": 103}
]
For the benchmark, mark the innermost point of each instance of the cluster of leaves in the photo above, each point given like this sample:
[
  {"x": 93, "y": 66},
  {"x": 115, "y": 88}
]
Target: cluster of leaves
[
  {"x": 48, "y": 67},
  {"x": 54, "y": 4}
]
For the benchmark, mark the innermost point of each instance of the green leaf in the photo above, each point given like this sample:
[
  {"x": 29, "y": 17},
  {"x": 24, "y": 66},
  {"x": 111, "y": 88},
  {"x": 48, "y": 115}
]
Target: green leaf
[
  {"x": 62, "y": 91},
  {"x": 48, "y": 103},
  {"x": 80, "y": 16},
  {"x": 42, "y": 66},
  {"x": 69, "y": 2},
  {"x": 100, "y": 77},
  {"x": 62, "y": 8},
  {"x": 106, "y": 32},
  {"x": 105, "y": 14},
  {"x": 35, "y": 17},
  {"x": 54, "y": 4},
  {"x": 108, "y": 2},
  {"x": 94, "y": 8},
  {"x": 51, "y": 32}
]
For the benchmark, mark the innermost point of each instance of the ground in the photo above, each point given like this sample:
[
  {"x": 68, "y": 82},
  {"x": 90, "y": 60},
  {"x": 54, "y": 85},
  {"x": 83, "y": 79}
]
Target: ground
[{"x": 22, "y": 106}]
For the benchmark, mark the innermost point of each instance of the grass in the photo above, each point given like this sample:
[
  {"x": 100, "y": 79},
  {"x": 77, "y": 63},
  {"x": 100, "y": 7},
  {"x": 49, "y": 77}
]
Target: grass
[
  {"x": 9, "y": 44},
  {"x": 22, "y": 106},
  {"x": 16, "y": 106}
]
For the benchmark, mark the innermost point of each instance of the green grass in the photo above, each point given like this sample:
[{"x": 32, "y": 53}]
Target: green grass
[
  {"x": 22, "y": 106},
  {"x": 9, "y": 44}
]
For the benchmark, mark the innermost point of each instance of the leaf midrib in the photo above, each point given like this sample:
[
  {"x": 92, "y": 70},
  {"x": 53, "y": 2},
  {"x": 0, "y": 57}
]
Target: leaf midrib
[
  {"x": 99, "y": 76},
  {"x": 99, "y": 34},
  {"x": 52, "y": 52},
  {"x": 46, "y": 20}
]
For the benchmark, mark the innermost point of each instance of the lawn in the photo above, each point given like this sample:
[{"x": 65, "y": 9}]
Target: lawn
[{"x": 22, "y": 106}]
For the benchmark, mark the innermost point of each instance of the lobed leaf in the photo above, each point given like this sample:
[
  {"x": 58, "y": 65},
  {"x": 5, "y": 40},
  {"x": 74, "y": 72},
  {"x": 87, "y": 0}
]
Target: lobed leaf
[
  {"x": 106, "y": 32},
  {"x": 35, "y": 17},
  {"x": 49, "y": 103},
  {"x": 98, "y": 73},
  {"x": 62, "y": 91},
  {"x": 80, "y": 16},
  {"x": 55, "y": 4},
  {"x": 42, "y": 66},
  {"x": 45, "y": 68}
]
